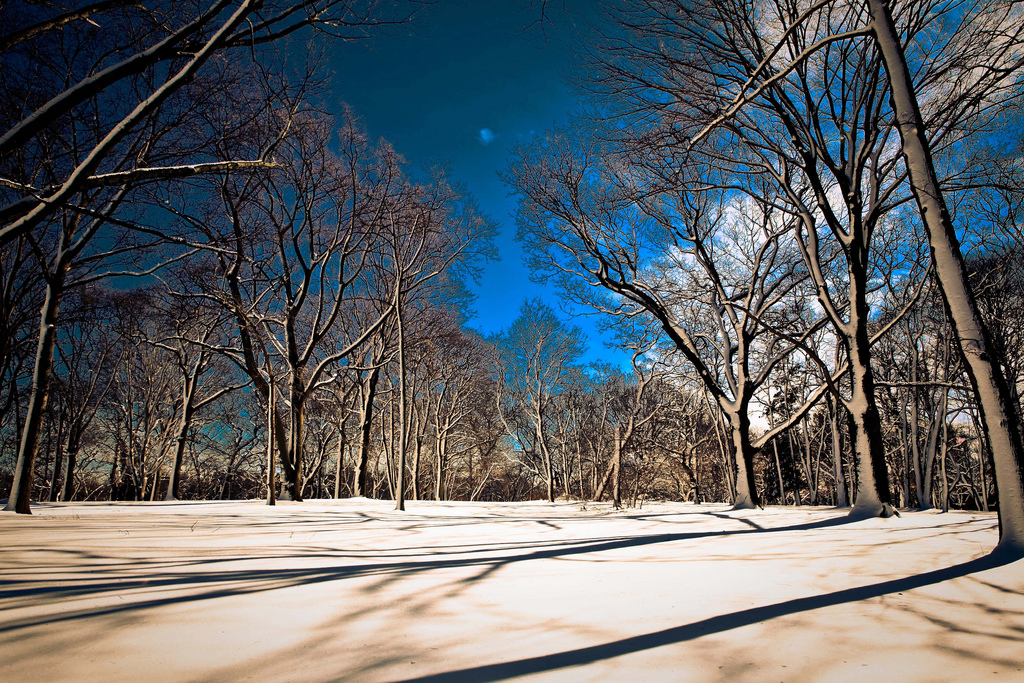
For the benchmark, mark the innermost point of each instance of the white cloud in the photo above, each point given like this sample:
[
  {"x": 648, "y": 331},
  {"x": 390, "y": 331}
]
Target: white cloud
[{"x": 486, "y": 136}]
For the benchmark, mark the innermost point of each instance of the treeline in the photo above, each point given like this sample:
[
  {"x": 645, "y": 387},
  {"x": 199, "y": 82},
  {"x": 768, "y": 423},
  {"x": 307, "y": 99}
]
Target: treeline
[
  {"x": 139, "y": 412},
  {"x": 506, "y": 418}
]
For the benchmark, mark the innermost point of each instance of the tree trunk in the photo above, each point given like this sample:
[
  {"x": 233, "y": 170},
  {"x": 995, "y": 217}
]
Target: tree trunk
[
  {"x": 21, "y": 486},
  {"x": 113, "y": 479},
  {"x": 990, "y": 387},
  {"x": 340, "y": 468},
  {"x": 58, "y": 461},
  {"x": 942, "y": 467},
  {"x": 600, "y": 488},
  {"x": 837, "y": 456},
  {"x": 579, "y": 466},
  {"x": 156, "y": 481},
  {"x": 546, "y": 455},
  {"x": 181, "y": 439},
  {"x": 811, "y": 467},
  {"x": 915, "y": 434},
  {"x": 872, "y": 495},
  {"x": 617, "y": 481},
  {"x": 416, "y": 457},
  {"x": 365, "y": 424},
  {"x": 743, "y": 460},
  {"x": 778, "y": 464},
  {"x": 291, "y": 460},
  {"x": 67, "y": 491},
  {"x": 440, "y": 450},
  {"x": 931, "y": 451},
  {"x": 403, "y": 419},
  {"x": 271, "y": 428}
]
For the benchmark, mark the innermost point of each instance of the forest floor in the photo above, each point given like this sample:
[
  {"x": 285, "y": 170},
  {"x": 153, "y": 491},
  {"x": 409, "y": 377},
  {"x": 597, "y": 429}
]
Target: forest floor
[{"x": 353, "y": 590}]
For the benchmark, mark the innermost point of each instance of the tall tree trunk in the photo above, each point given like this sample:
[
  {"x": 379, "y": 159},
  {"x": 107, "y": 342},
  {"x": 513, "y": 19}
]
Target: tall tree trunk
[
  {"x": 416, "y": 456},
  {"x": 915, "y": 435},
  {"x": 811, "y": 467},
  {"x": 291, "y": 460},
  {"x": 990, "y": 386},
  {"x": 115, "y": 462},
  {"x": 58, "y": 461},
  {"x": 698, "y": 496},
  {"x": 837, "y": 456},
  {"x": 599, "y": 488},
  {"x": 617, "y": 481},
  {"x": 403, "y": 419},
  {"x": 792, "y": 454},
  {"x": 181, "y": 438},
  {"x": 365, "y": 426},
  {"x": 440, "y": 451},
  {"x": 872, "y": 495},
  {"x": 67, "y": 491},
  {"x": 942, "y": 468},
  {"x": 271, "y": 429},
  {"x": 340, "y": 467},
  {"x": 156, "y": 481},
  {"x": 905, "y": 446},
  {"x": 21, "y": 486},
  {"x": 546, "y": 456},
  {"x": 931, "y": 451},
  {"x": 778, "y": 464},
  {"x": 579, "y": 466}
]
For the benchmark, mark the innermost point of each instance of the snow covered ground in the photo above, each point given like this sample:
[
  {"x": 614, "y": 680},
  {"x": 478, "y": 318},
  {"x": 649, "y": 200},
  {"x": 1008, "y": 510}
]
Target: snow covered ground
[{"x": 352, "y": 590}]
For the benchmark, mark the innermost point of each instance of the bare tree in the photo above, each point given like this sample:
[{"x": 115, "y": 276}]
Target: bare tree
[
  {"x": 188, "y": 336},
  {"x": 433, "y": 234},
  {"x": 537, "y": 352},
  {"x": 628, "y": 241},
  {"x": 289, "y": 266},
  {"x": 989, "y": 54},
  {"x": 965, "y": 58},
  {"x": 89, "y": 353}
]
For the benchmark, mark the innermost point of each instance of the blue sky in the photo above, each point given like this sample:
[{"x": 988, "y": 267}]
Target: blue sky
[{"x": 461, "y": 85}]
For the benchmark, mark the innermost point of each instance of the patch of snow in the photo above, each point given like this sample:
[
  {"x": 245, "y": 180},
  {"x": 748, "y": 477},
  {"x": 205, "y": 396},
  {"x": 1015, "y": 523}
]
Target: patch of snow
[{"x": 354, "y": 590}]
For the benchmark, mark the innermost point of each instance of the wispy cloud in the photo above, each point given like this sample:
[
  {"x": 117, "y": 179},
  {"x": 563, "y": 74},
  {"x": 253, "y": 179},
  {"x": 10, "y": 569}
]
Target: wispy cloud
[{"x": 486, "y": 136}]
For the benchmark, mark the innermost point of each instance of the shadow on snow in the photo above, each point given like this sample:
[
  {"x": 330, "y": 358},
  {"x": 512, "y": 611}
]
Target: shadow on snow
[{"x": 717, "y": 624}]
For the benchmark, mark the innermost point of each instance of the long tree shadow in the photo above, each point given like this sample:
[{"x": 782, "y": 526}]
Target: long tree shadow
[
  {"x": 725, "y": 622},
  {"x": 220, "y": 584}
]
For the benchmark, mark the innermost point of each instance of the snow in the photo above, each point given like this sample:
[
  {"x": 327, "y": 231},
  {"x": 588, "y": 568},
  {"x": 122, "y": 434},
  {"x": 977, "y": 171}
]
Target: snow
[{"x": 352, "y": 590}]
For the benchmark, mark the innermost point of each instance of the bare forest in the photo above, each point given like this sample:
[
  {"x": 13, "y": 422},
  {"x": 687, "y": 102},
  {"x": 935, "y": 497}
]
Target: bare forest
[{"x": 802, "y": 221}]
